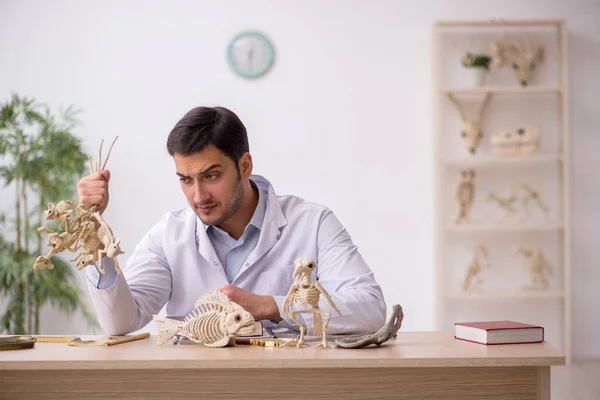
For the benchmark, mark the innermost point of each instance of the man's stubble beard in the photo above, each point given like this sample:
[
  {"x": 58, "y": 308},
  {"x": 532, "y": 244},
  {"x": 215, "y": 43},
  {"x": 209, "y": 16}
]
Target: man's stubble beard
[{"x": 235, "y": 206}]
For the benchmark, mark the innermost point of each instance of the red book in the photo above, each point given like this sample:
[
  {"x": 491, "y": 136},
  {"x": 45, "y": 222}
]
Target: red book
[{"x": 498, "y": 332}]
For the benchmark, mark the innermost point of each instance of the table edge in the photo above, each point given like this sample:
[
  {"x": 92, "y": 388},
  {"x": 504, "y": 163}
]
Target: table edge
[{"x": 281, "y": 363}]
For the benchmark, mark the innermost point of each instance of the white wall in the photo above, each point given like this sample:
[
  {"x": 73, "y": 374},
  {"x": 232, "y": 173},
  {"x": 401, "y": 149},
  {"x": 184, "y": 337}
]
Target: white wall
[{"x": 344, "y": 117}]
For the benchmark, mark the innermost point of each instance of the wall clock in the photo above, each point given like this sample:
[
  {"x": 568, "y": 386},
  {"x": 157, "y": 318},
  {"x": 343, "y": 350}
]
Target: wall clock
[{"x": 250, "y": 54}]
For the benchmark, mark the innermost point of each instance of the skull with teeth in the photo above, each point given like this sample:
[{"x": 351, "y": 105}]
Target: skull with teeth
[{"x": 522, "y": 141}]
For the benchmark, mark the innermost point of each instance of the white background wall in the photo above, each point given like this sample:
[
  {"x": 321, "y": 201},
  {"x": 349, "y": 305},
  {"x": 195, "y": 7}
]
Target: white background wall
[{"x": 343, "y": 119}]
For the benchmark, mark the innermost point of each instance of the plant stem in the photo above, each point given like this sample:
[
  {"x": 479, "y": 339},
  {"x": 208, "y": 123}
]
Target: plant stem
[
  {"x": 19, "y": 318},
  {"x": 38, "y": 304},
  {"x": 25, "y": 218},
  {"x": 29, "y": 298},
  {"x": 37, "y": 316},
  {"x": 40, "y": 215},
  {"x": 18, "y": 214}
]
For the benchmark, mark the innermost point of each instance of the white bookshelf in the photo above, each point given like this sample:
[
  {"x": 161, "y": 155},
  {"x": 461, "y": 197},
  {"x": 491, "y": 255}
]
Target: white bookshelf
[{"x": 543, "y": 102}]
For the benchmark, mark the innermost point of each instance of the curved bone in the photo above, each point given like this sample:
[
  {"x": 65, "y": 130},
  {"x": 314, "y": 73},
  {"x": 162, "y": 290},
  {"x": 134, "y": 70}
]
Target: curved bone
[{"x": 386, "y": 332}]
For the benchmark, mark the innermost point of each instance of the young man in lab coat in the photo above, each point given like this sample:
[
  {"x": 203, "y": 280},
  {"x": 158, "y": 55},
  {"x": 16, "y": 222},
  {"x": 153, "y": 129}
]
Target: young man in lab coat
[{"x": 238, "y": 236}]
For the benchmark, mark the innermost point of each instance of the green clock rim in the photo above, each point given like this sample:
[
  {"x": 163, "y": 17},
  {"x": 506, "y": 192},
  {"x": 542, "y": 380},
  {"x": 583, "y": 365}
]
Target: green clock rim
[{"x": 270, "y": 56}]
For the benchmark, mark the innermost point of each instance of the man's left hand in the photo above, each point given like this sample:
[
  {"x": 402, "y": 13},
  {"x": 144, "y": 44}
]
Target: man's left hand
[{"x": 261, "y": 307}]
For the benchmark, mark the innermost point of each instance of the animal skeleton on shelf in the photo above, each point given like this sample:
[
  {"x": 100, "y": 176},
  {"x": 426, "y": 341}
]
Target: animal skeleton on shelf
[
  {"x": 522, "y": 141},
  {"x": 522, "y": 55},
  {"x": 534, "y": 195},
  {"x": 472, "y": 131},
  {"x": 305, "y": 292},
  {"x": 538, "y": 267},
  {"x": 465, "y": 193},
  {"x": 505, "y": 201},
  {"x": 87, "y": 230},
  {"x": 480, "y": 261}
]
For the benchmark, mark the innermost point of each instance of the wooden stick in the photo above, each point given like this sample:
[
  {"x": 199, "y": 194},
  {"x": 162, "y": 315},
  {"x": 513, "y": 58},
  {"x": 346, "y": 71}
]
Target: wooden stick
[
  {"x": 100, "y": 156},
  {"x": 113, "y": 341},
  {"x": 109, "y": 150}
]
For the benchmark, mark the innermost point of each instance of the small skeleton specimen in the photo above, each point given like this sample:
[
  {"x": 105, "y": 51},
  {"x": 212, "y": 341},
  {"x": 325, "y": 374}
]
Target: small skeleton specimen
[
  {"x": 472, "y": 131},
  {"x": 60, "y": 211},
  {"x": 505, "y": 201},
  {"x": 87, "y": 231},
  {"x": 305, "y": 292},
  {"x": 522, "y": 55},
  {"x": 538, "y": 267},
  {"x": 480, "y": 261},
  {"x": 522, "y": 141},
  {"x": 214, "y": 322},
  {"x": 465, "y": 193},
  {"x": 534, "y": 196},
  {"x": 385, "y": 333}
]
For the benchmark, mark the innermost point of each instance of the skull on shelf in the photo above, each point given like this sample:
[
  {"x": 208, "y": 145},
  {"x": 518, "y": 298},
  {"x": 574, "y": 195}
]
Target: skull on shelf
[{"x": 522, "y": 141}]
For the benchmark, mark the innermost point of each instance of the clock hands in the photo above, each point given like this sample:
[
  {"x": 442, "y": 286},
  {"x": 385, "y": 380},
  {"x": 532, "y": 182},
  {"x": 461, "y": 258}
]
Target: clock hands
[{"x": 250, "y": 57}]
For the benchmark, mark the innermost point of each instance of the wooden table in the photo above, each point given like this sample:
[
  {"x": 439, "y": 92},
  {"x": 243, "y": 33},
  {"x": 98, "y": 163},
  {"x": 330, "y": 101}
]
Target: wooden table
[{"x": 416, "y": 365}]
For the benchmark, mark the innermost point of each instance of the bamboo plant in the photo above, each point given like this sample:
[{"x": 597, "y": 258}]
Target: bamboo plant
[{"x": 41, "y": 160}]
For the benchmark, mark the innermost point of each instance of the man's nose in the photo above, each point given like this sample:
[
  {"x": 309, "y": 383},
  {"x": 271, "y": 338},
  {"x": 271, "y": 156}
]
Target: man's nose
[{"x": 200, "y": 193}]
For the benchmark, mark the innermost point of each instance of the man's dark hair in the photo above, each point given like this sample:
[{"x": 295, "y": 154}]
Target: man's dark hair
[{"x": 204, "y": 126}]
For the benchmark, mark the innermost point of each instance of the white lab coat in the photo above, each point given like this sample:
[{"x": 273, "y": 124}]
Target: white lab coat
[{"x": 170, "y": 266}]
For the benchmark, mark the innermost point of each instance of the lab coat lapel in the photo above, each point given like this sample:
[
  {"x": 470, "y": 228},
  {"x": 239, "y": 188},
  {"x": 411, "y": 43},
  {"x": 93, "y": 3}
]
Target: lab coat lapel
[
  {"x": 206, "y": 249},
  {"x": 270, "y": 232}
]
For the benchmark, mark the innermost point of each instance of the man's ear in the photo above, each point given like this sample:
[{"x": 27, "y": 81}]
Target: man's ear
[{"x": 245, "y": 165}]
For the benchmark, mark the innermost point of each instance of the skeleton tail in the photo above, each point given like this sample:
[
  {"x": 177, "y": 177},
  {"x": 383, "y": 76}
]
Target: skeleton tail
[{"x": 167, "y": 328}]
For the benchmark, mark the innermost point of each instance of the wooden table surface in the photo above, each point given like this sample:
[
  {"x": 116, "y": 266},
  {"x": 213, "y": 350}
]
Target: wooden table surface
[
  {"x": 430, "y": 365},
  {"x": 409, "y": 349}
]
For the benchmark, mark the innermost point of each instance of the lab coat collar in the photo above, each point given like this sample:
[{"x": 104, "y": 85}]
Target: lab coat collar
[{"x": 274, "y": 220}]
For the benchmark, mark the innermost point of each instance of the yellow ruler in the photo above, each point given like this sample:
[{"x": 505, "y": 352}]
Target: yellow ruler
[{"x": 51, "y": 339}]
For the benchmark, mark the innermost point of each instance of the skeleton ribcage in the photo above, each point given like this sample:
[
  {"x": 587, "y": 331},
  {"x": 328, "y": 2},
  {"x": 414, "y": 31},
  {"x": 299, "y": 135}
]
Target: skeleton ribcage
[
  {"x": 205, "y": 329},
  {"x": 91, "y": 242},
  {"x": 307, "y": 296}
]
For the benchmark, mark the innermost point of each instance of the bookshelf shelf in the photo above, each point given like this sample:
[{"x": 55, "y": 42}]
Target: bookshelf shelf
[
  {"x": 502, "y": 90},
  {"x": 507, "y": 295},
  {"x": 491, "y": 161},
  {"x": 501, "y": 23},
  {"x": 503, "y": 228},
  {"x": 461, "y": 94}
]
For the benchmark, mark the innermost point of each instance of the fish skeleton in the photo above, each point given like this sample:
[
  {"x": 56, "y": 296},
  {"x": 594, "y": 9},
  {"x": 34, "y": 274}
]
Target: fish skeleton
[{"x": 215, "y": 321}]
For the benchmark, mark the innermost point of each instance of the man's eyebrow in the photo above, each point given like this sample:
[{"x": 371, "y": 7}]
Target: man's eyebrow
[{"x": 206, "y": 170}]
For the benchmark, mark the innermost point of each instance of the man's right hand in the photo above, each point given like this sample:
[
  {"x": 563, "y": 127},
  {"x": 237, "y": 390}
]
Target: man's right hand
[{"x": 93, "y": 189}]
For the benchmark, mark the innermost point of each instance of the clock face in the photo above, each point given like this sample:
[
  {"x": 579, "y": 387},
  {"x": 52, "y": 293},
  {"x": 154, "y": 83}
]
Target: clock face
[{"x": 250, "y": 54}]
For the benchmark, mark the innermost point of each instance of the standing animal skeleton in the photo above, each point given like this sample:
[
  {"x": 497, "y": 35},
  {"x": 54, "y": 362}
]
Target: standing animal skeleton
[
  {"x": 472, "y": 131},
  {"x": 465, "y": 193},
  {"x": 538, "y": 265},
  {"x": 86, "y": 230},
  {"x": 534, "y": 195},
  {"x": 504, "y": 201},
  {"x": 305, "y": 292},
  {"x": 480, "y": 260}
]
